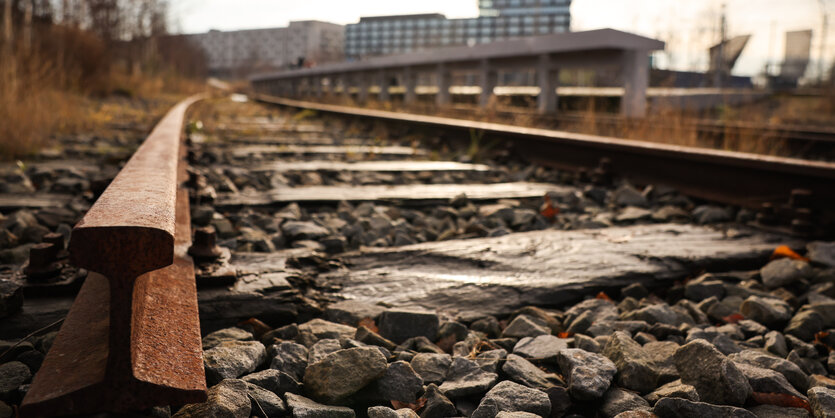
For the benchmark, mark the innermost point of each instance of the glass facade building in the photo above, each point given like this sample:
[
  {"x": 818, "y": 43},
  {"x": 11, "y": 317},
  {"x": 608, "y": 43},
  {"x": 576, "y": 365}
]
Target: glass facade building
[{"x": 498, "y": 20}]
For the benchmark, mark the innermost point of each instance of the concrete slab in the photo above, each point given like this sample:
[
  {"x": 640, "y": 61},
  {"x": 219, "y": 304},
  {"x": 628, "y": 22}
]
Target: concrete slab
[
  {"x": 415, "y": 194},
  {"x": 12, "y": 202},
  {"x": 382, "y": 166},
  {"x": 544, "y": 268},
  {"x": 242, "y": 152}
]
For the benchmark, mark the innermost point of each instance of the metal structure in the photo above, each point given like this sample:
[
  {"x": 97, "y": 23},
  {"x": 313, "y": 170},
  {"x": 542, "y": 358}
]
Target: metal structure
[
  {"x": 604, "y": 48},
  {"x": 132, "y": 337}
]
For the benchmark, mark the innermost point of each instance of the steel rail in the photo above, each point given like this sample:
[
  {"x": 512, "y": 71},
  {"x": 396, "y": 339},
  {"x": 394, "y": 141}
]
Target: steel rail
[
  {"x": 132, "y": 337},
  {"x": 743, "y": 179}
]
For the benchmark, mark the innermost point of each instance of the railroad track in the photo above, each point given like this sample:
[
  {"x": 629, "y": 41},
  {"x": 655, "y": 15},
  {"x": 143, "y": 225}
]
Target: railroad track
[
  {"x": 293, "y": 212},
  {"x": 763, "y": 183}
]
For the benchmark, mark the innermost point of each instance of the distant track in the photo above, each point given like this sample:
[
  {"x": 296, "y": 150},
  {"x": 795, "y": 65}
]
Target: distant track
[{"x": 747, "y": 180}]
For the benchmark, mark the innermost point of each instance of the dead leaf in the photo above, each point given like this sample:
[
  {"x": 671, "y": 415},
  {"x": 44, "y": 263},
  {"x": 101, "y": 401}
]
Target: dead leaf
[
  {"x": 368, "y": 323},
  {"x": 548, "y": 210},
  {"x": 258, "y": 327},
  {"x": 780, "y": 399},
  {"x": 733, "y": 318},
  {"x": 604, "y": 296},
  {"x": 420, "y": 403},
  {"x": 784, "y": 251}
]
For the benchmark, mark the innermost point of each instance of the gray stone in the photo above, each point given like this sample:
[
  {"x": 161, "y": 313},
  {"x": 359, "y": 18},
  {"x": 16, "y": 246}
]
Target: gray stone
[
  {"x": 343, "y": 373},
  {"x": 264, "y": 402},
  {"x": 228, "y": 334},
  {"x": 290, "y": 358},
  {"x": 791, "y": 371},
  {"x": 400, "y": 325},
  {"x": 524, "y": 372},
  {"x": 634, "y": 364},
  {"x": 489, "y": 360},
  {"x": 805, "y": 324},
  {"x": 784, "y": 271},
  {"x": 599, "y": 310},
  {"x": 517, "y": 414},
  {"x": 275, "y": 381},
  {"x": 321, "y": 349},
  {"x": 226, "y": 399},
  {"x": 488, "y": 325},
  {"x": 399, "y": 383},
  {"x": 639, "y": 413},
  {"x": 526, "y": 326},
  {"x": 677, "y": 408},
  {"x": 626, "y": 195},
  {"x": 632, "y": 214},
  {"x": 822, "y": 253},
  {"x": 715, "y": 377},
  {"x": 767, "y": 381},
  {"x": 302, "y": 407},
  {"x": 617, "y": 400},
  {"x": 232, "y": 359},
  {"x": 321, "y": 329},
  {"x": 773, "y": 411},
  {"x": 702, "y": 288},
  {"x": 775, "y": 344},
  {"x": 589, "y": 375},
  {"x": 466, "y": 378},
  {"x": 770, "y": 312},
  {"x": 708, "y": 214},
  {"x": 431, "y": 367},
  {"x": 385, "y": 412},
  {"x": 298, "y": 230},
  {"x": 12, "y": 375},
  {"x": 452, "y": 330},
  {"x": 822, "y": 401},
  {"x": 437, "y": 405},
  {"x": 350, "y": 312},
  {"x": 674, "y": 389},
  {"x": 543, "y": 348},
  {"x": 661, "y": 356},
  {"x": 652, "y": 314},
  {"x": 512, "y": 397}
]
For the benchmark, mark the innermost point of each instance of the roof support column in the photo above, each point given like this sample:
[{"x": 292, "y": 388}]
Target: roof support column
[
  {"x": 547, "y": 78},
  {"x": 410, "y": 83},
  {"x": 317, "y": 87},
  {"x": 635, "y": 65},
  {"x": 488, "y": 78},
  {"x": 443, "y": 78},
  {"x": 383, "y": 82},
  {"x": 362, "y": 87}
]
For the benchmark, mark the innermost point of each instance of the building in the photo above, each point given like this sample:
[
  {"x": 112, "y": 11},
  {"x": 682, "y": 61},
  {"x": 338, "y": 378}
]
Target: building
[
  {"x": 237, "y": 53},
  {"x": 497, "y": 20}
]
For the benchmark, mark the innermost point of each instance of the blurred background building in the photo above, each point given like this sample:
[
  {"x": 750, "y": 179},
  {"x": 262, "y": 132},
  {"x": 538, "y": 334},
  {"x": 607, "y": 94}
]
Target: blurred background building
[
  {"x": 303, "y": 43},
  {"x": 497, "y": 20}
]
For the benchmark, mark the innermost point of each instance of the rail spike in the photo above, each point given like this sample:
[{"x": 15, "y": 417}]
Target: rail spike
[{"x": 131, "y": 339}]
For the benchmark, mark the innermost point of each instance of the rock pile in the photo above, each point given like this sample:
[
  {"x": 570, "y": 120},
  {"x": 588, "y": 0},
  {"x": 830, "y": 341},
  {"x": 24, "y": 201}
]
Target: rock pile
[{"x": 718, "y": 345}]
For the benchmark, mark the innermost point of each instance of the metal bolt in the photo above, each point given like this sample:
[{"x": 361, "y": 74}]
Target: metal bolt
[
  {"x": 57, "y": 240},
  {"x": 42, "y": 262},
  {"x": 602, "y": 174},
  {"x": 204, "y": 247}
]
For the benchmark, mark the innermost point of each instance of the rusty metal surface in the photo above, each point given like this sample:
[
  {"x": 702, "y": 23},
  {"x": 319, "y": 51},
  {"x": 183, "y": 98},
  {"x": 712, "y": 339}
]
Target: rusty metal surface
[
  {"x": 730, "y": 177},
  {"x": 131, "y": 339},
  {"x": 379, "y": 166}
]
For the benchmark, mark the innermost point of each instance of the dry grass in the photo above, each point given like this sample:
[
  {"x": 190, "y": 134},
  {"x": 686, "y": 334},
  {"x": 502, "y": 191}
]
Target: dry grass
[{"x": 68, "y": 84}]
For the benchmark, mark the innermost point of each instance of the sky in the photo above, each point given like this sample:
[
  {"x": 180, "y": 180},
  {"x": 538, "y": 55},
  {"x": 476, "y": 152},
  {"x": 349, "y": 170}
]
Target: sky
[{"x": 688, "y": 26}]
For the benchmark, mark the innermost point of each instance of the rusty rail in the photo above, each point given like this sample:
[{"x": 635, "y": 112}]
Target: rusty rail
[{"x": 132, "y": 337}]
